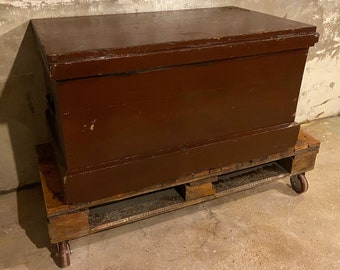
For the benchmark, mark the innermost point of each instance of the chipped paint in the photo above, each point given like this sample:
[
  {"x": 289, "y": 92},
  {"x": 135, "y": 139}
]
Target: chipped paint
[{"x": 92, "y": 124}]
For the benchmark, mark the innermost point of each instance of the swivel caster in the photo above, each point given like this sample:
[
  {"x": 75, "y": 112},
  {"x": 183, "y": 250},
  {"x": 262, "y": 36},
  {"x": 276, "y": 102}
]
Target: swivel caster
[
  {"x": 64, "y": 252},
  {"x": 299, "y": 183}
]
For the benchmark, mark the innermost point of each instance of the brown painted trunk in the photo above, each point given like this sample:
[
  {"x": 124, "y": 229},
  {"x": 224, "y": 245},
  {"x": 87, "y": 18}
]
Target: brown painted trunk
[{"x": 137, "y": 101}]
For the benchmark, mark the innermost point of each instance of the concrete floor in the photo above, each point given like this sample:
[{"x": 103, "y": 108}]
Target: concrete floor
[{"x": 269, "y": 227}]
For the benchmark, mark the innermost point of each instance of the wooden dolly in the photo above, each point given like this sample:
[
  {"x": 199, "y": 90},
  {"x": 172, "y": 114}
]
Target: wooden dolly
[{"x": 71, "y": 221}]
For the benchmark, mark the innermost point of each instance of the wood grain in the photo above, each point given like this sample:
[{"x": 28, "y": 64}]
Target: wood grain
[
  {"x": 189, "y": 192},
  {"x": 68, "y": 226}
]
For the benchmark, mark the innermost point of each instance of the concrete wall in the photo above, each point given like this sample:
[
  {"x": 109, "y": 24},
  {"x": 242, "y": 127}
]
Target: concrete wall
[{"x": 22, "y": 103}]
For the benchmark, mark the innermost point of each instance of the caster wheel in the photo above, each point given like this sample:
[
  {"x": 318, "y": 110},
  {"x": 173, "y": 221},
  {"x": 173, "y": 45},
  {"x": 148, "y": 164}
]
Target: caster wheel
[
  {"x": 299, "y": 183},
  {"x": 64, "y": 252}
]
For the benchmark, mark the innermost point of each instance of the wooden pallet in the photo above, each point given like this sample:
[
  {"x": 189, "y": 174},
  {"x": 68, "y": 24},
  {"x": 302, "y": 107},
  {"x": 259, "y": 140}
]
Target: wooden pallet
[{"x": 67, "y": 222}]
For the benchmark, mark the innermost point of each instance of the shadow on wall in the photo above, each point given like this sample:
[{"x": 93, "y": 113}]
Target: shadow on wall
[
  {"x": 22, "y": 110},
  {"x": 22, "y": 106}
]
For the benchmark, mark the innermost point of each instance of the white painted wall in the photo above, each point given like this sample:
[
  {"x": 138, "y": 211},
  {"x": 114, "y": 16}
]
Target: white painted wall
[{"x": 22, "y": 103}]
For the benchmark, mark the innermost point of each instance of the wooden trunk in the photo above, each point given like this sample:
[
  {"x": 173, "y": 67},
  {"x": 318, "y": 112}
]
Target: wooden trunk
[{"x": 138, "y": 101}]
